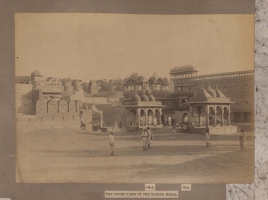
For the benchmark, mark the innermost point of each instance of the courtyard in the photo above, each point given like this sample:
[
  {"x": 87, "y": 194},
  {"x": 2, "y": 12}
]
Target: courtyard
[{"x": 80, "y": 156}]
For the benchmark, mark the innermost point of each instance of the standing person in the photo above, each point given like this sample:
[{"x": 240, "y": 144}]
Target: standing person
[
  {"x": 169, "y": 120},
  {"x": 115, "y": 124},
  {"x": 155, "y": 121},
  {"x": 150, "y": 137},
  {"x": 242, "y": 139},
  {"x": 201, "y": 120},
  {"x": 144, "y": 136},
  {"x": 112, "y": 143},
  {"x": 207, "y": 138}
]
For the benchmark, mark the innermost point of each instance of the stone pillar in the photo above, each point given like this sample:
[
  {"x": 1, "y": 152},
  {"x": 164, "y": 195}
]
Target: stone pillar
[
  {"x": 207, "y": 115},
  {"x": 101, "y": 113},
  {"x": 215, "y": 112},
  {"x": 145, "y": 116},
  {"x": 229, "y": 115},
  {"x": 191, "y": 115},
  {"x": 199, "y": 121},
  {"x": 139, "y": 117},
  {"x": 221, "y": 115},
  {"x": 160, "y": 116},
  {"x": 127, "y": 121}
]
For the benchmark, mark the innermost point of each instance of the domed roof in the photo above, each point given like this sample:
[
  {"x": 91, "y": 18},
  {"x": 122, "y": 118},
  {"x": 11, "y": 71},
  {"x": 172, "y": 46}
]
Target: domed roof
[
  {"x": 135, "y": 97},
  {"x": 211, "y": 91},
  {"x": 154, "y": 77},
  {"x": 144, "y": 97},
  {"x": 165, "y": 80},
  {"x": 134, "y": 75},
  {"x": 125, "y": 81},
  {"x": 151, "y": 97}
]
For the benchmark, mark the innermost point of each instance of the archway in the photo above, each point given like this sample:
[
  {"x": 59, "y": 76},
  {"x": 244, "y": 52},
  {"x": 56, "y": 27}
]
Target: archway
[
  {"x": 142, "y": 118},
  {"x": 218, "y": 116},
  {"x": 211, "y": 116},
  {"x": 201, "y": 116},
  {"x": 169, "y": 120},
  {"x": 185, "y": 118},
  {"x": 157, "y": 115},
  {"x": 150, "y": 117},
  {"x": 163, "y": 119},
  {"x": 225, "y": 116}
]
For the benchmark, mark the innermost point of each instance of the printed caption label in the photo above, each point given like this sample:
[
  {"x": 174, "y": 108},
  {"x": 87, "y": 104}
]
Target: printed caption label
[
  {"x": 142, "y": 194},
  {"x": 150, "y": 187},
  {"x": 186, "y": 187}
]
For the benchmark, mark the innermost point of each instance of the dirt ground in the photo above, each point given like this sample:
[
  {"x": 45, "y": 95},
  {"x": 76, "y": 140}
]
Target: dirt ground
[{"x": 76, "y": 156}]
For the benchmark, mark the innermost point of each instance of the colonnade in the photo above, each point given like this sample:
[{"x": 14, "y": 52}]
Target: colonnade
[
  {"x": 145, "y": 116},
  {"x": 207, "y": 115}
]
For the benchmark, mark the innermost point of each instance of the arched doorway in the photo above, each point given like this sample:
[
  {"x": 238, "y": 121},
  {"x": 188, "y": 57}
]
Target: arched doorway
[
  {"x": 150, "y": 117},
  {"x": 169, "y": 120},
  {"x": 157, "y": 115},
  {"x": 225, "y": 116},
  {"x": 211, "y": 116},
  {"x": 185, "y": 118},
  {"x": 142, "y": 118},
  {"x": 201, "y": 116},
  {"x": 163, "y": 119},
  {"x": 218, "y": 116}
]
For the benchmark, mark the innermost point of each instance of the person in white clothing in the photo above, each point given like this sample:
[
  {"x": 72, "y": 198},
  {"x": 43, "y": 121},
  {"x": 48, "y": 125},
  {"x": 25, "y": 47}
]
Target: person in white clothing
[
  {"x": 112, "y": 143},
  {"x": 150, "y": 137},
  {"x": 144, "y": 136}
]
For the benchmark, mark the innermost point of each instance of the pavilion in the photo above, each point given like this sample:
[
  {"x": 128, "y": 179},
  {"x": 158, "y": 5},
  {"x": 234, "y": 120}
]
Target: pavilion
[
  {"x": 210, "y": 109},
  {"x": 142, "y": 111}
]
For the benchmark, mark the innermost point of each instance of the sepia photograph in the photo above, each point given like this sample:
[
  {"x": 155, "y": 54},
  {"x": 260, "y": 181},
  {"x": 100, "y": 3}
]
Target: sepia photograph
[{"x": 124, "y": 98}]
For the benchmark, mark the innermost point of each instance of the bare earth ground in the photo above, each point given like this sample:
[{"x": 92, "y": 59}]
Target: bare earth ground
[{"x": 60, "y": 156}]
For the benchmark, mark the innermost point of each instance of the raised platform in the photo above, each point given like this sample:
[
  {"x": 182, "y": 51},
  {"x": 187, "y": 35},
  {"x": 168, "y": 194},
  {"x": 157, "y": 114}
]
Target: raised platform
[
  {"x": 140, "y": 128},
  {"x": 218, "y": 130}
]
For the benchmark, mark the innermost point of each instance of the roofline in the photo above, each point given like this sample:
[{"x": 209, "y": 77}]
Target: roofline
[
  {"x": 209, "y": 102},
  {"x": 223, "y": 73},
  {"x": 183, "y": 71}
]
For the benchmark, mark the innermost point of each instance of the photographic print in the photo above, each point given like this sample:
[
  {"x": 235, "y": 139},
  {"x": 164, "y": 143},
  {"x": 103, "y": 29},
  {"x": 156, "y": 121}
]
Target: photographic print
[{"x": 132, "y": 98}]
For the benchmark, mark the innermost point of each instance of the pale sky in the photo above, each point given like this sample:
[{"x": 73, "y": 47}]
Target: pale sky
[{"x": 95, "y": 46}]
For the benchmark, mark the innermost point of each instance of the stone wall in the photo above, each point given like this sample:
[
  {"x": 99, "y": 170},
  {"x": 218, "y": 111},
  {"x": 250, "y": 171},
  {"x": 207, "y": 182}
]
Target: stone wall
[
  {"x": 240, "y": 90},
  {"x": 34, "y": 122},
  {"x": 23, "y": 98},
  {"x": 54, "y": 107}
]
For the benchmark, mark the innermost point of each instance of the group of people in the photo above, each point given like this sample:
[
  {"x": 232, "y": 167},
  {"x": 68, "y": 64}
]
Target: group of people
[
  {"x": 242, "y": 139},
  {"x": 147, "y": 137}
]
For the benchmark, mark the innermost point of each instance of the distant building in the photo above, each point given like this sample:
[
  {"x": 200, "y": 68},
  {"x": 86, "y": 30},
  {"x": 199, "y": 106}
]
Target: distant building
[
  {"x": 93, "y": 87},
  {"x": 239, "y": 86}
]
